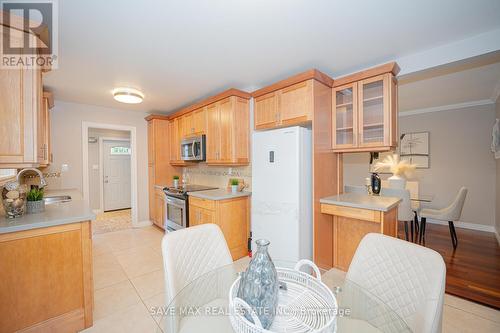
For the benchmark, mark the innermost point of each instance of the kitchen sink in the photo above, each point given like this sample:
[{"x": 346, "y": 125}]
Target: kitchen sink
[{"x": 57, "y": 199}]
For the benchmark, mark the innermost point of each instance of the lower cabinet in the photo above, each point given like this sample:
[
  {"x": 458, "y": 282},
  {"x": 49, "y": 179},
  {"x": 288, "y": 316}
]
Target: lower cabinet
[
  {"x": 231, "y": 215},
  {"x": 159, "y": 208},
  {"x": 46, "y": 279}
]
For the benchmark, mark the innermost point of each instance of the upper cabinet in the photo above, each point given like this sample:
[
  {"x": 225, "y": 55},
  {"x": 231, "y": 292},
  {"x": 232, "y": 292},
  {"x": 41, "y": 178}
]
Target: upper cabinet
[
  {"x": 23, "y": 119},
  {"x": 288, "y": 102},
  {"x": 176, "y": 130},
  {"x": 224, "y": 119},
  {"x": 43, "y": 130},
  {"x": 228, "y": 132},
  {"x": 24, "y": 122},
  {"x": 194, "y": 123},
  {"x": 364, "y": 111}
]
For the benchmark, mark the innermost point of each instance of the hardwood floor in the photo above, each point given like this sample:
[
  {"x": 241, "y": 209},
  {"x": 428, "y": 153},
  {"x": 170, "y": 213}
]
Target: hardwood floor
[{"x": 473, "y": 269}]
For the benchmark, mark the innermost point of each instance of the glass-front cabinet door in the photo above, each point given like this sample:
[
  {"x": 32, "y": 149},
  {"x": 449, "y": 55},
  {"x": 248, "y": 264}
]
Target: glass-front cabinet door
[
  {"x": 345, "y": 116},
  {"x": 373, "y": 111}
]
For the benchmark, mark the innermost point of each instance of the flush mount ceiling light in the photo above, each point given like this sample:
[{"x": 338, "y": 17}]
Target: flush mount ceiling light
[{"x": 128, "y": 95}]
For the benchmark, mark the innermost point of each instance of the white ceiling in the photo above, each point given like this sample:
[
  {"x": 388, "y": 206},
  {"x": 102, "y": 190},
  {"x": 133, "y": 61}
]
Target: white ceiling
[
  {"x": 178, "y": 52},
  {"x": 455, "y": 86}
]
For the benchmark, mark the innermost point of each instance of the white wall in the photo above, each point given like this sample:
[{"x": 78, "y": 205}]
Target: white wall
[
  {"x": 497, "y": 205},
  {"x": 66, "y": 135},
  {"x": 94, "y": 181},
  {"x": 459, "y": 156}
]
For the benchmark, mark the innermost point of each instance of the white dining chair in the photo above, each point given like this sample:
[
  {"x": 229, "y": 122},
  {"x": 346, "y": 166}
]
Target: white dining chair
[
  {"x": 451, "y": 213},
  {"x": 188, "y": 254},
  {"x": 407, "y": 277},
  {"x": 405, "y": 211},
  {"x": 414, "y": 188}
]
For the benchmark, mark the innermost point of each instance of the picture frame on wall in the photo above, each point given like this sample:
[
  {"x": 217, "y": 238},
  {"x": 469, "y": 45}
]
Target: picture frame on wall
[{"x": 415, "y": 148}]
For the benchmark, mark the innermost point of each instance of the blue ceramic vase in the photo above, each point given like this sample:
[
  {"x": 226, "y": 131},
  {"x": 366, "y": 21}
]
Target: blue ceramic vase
[{"x": 259, "y": 285}]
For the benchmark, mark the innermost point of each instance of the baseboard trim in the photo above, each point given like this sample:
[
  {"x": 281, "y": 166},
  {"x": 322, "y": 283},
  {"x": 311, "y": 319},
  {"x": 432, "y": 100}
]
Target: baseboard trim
[
  {"x": 466, "y": 225},
  {"x": 142, "y": 224},
  {"x": 498, "y": 236}
]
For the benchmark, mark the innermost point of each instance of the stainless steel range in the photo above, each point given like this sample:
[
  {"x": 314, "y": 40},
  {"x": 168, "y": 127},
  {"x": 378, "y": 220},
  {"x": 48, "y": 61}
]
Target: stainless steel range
[{"x": 177, "y": 206}]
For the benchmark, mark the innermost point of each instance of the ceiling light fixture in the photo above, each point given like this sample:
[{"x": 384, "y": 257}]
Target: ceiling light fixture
[{"x": 128, "y": 95}]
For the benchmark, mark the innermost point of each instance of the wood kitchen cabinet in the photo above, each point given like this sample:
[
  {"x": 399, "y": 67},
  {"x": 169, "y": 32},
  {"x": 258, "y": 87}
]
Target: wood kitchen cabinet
[
  {"x": 160, "y": 170},
  {"x": 228, "y": 132},
  {"x": 43, "y": 130},
  {"x": 198, "y": 215},
  {"x": 351, "y": 224},
  {"x": 158, "y": 216},
  {"x": 21, "y": 123},
  {"x": 194, "y": 123},
  {"x": 266, "y": 110},
  {"x": 24, "y": 121},
  {"x": 231, "y": 215},
  {"x": 175, "y": 133},
  {"x": 224, "y": 119},
  {"x": 46, "y": 276},
  {"x": 289, "y": 102},
  {"x": 365, "y": 113}
]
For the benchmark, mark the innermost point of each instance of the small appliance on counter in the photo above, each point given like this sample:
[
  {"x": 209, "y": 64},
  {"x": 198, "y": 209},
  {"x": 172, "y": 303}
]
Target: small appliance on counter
[{"x": 376, "y": 183}]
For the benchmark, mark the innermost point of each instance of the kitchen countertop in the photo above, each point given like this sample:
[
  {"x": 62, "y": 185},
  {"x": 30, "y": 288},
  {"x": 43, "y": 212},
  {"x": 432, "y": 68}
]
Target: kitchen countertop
[
  {"x": 362, "y": 201},
  {"x": 74, "y": 193},
  {"x": 55, "y": 214},
  {"x": 218, "y": 194}
]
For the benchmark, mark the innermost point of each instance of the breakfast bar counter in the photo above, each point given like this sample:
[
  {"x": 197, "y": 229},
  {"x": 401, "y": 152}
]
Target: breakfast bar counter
[{"x": 354, "y": 216}]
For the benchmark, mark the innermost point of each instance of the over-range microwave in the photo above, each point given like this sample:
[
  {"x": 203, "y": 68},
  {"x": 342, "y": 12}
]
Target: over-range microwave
[{"x": 193, "y": 149}]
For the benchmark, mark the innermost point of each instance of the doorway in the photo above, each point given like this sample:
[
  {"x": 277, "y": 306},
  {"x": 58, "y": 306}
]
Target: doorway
[
  {"x": 115, "y": 155},
  {"x": 93, "y": 174}
]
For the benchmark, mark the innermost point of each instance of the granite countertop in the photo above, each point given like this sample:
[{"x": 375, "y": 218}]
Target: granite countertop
[
  {"x": 218, "y": 194},
  {"x": 363, "y": 201},
  {"x": 55, "y": 214}
]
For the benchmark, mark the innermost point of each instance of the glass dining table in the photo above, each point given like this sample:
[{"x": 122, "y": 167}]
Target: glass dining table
[
  {"x": 422, "y": 198},
  {"x": 202, "y": 306}
]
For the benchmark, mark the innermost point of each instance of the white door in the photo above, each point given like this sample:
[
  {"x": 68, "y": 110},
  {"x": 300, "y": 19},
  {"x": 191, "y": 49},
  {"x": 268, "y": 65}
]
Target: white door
[{"x": 116, "y": 171}]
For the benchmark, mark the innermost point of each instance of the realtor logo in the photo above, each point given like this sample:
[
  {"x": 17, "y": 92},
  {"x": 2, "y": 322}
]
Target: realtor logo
[{"x": 29, "y": 34}]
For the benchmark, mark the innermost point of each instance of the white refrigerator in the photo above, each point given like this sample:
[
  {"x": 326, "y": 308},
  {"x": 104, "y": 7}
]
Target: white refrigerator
[{"x": 282, "y": 192}]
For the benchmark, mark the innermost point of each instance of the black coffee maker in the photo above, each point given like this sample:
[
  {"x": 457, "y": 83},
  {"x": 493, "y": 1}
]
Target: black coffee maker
[{"x": 376, "y": 183}]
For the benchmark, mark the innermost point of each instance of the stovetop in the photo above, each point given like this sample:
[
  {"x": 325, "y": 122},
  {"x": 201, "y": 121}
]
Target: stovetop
[{"x": 184, "y": 189}]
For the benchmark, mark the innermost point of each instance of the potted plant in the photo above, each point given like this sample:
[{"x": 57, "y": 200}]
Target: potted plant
[
  {"x": 400, "y": 169},
  {"x": 234, "y": 185},
  {"x": 35, "y": 203},
  {"x": 176, "y": 181}
]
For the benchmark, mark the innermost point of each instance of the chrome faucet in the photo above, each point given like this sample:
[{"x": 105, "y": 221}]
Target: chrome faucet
[{"x": 43, "y": 182}]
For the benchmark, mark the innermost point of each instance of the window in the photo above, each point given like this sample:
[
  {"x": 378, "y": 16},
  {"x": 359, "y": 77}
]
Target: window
[
  {"x": 120, "y": 151},
  {"x": 7, "y": 173}
]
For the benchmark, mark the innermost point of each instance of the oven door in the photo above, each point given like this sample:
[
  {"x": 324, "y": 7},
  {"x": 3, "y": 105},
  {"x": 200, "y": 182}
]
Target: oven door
[{"x": 175, "y": 213}]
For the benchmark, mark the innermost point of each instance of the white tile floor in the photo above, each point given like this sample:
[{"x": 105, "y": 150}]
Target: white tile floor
[{"x": 128, "y": 280}]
